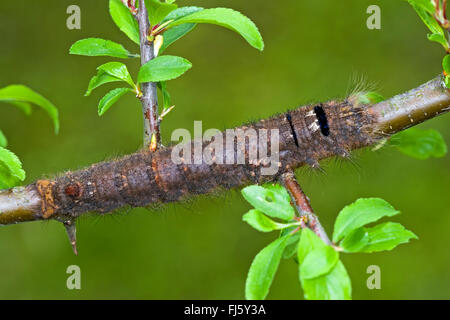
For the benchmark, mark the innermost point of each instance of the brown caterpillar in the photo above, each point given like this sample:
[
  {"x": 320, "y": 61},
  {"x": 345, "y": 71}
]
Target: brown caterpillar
[
  {"x": 144, "y": 178},
  {"x": 306, "y": 135}
]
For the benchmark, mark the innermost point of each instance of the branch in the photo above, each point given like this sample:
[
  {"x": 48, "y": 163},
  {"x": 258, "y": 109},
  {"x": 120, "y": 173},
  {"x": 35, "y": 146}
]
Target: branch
[
  {"x": 410, "y": 108},
  {"x": 143, "y": 178},
  {"x": 301, "y": 203},
  {"x": 149, "y": 98}
]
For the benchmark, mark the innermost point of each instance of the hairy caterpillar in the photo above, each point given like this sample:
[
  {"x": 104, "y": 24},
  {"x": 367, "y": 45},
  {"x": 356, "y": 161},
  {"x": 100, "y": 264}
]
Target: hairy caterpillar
[{"x": 306, "y": 135}]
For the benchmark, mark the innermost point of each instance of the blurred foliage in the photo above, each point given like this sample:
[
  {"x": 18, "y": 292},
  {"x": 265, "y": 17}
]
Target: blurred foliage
[{"x": 201, "y": 249}]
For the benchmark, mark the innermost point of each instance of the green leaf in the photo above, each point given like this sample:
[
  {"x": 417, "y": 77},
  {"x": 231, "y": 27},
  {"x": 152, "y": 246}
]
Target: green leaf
[
  {"x": 263, "y": 269},
  {"x": 3, "y": 140},
  {"x": 175, "y": 33},
  {"x": 387, "y": 236},
  {"x": 360, "y": 213},
  {"x": 157, "y": 10},
  {"x": 439, "y": 38},
  {"x": 19, "y": 93},
  {"x": 309, "y": 242},
  {"x": 227, "y": 18},
  {"x": 124, "y": 19},
  {"x": 163, "y": 68},
  {"x": 181, "y": 13},
  {"x": 426, "y": 5},
  {"x": 369, "y": 97},
  {"x": 100, "y": 79},
  {"x": 318, "y": 262},
  {"x": 420, "y": 144},
  {"x": 291, "y": 246},
  {"x": 425, "y": 10},
  {"x": 166, "y": 96},
  {"x": 110, "y": 98},
  {"x": 24, "y": 106},
  {"x": 447, "y": 81},
  {"x": 336, "y": 285},
  {"x": 325, "y": 276},
  {"x": 262, "y": 223},
  {"x": 446, "y": 68},
  {"x": 446, "y": 64},
  {"x": 118, "y": 70},
  {"x": 96, "y": 47},
  {"x": 275, "y": 201},
  {"x": 11, "y": 172},
  {"x": 355, "y": 241}
]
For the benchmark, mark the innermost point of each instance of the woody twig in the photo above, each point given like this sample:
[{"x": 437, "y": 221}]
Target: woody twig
[
  {"x": 303, "y": 206},
  {"x": 149, "y": 97}
]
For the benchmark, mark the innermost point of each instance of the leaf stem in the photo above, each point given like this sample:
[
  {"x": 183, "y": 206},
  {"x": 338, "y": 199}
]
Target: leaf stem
[
  {"x": 149, "y": 98},
  {"x": 303, "y": 206}
]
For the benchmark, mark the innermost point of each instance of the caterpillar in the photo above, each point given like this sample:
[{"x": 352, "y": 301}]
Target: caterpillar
[{"x": 306, "y": 135}]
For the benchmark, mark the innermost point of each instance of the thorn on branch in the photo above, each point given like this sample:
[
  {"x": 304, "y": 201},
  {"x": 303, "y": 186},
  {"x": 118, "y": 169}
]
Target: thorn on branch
[
  {"x": 165, "y": 112},
  {"x": 71, "y": 230},
  {"x": 148, "y": 96}
]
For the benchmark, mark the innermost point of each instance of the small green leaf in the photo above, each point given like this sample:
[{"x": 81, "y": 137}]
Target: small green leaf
[
  {"x": 157, "y": 10},
  {"x": 318, "y": 262},
  {"x": 96, "y": 47},
  {"x": 425, "y": 10},
  {"x": 325, "y": 277},
  {"x": 3, "y": 140},
  {"x": 439, "y": 38},
  {"x": 167, "y": 101},
  {"x": 110, "y": 98},
  {"x": 387, "y": 236},
  {"x": 262, "y": 223},
  {"x": 274, "y": 202},
  {"x": 227, "y": 18},
  {"x": 263, "y": 269},
  {"x": 19, "y": 93},
  {"x": 309, "y": 242},
  {"x": 24, "y": 106},
  {"x": 446, "y": 64},
  {"x": 426, "y": 5},
  {"x": 420, "y": 144},
  {"x": 360, "y": 213},
  {"x": 11, "y": 172},
  {"x": 163, "y": 68},
  {"x": 118, "y": 70},
  {"x": 369, "y": 97},
  {"x": 124, "y": 19},
  {"x": 355, "y": 241},
  {"x": 335, "y": 285},
  {"x": 291, "y": 246},
  {"x": 100, "y": 79}
]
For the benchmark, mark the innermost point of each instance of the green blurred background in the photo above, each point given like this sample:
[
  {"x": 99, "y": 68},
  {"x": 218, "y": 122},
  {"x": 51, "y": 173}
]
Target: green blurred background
[{"x": 201, "y": 249}]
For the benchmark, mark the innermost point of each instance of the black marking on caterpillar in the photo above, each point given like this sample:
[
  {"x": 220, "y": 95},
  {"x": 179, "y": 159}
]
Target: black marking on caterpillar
[
  {"x": 294, "y": 134},
  {"x": 322, "y": 119}
]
